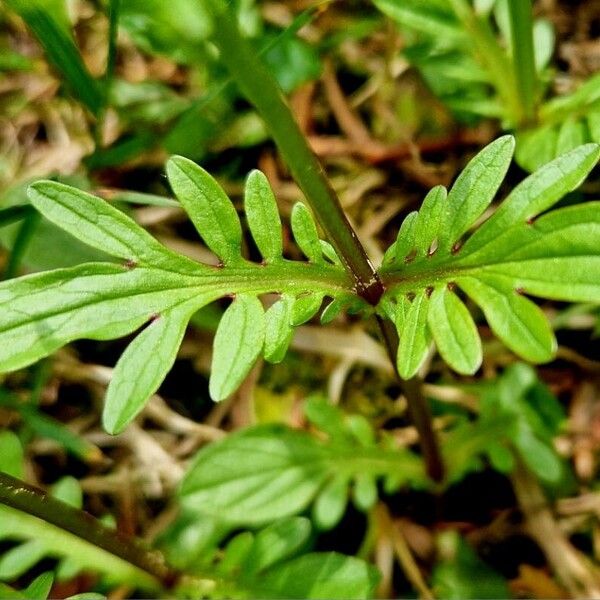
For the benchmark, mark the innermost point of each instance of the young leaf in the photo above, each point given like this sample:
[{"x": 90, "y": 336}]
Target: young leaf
[
  {"x": 305, "y": 233},
  {"x": 238, "y": 343},
  {"x": 517, "y": 321},
  {"x": 143, "y": 366},
  {"x": 454, "y": 332},
  {"x": 415, "y": 338},
  {"x": 474, "y": 189},
  {"x": 278, "y": 329},
  {"x": 263, "y": 216},
  {"x": 208, "y": 206}
]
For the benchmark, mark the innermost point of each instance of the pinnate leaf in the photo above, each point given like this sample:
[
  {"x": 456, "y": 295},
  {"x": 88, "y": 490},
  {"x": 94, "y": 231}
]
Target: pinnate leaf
[{"x": 515, "y": 253}]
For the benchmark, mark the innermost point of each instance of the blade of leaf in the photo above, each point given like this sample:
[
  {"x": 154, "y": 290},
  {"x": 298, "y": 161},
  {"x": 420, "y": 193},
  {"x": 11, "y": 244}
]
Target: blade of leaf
[
  {"x": 263, "y": 216},
  {"x": 40, "y": 313},
  {"x": 238, "y": 343},
  {"x": 537, "y": 193},
  {"x": 321, "y": 576},
  {"x": 305, "y": 233},
  {"x": 405, "y": 242},
  {"x": 331, "y": 503},
  {"x": 428, "y": 220},
  {"x": 278, "y": 331},
  {"x": 517, "y": 321},
  {"x": 96, "y": 223},
  {"x": 474, "y": 189},
  {"x": 305, "y": 308},
  {"x": 277, "y": 542},
  {"x": 415, "y": 339},
  {"x": 454, "y": 332},
  {"x": 143, "y": 366},
  {"x": 208, "y": 206}
]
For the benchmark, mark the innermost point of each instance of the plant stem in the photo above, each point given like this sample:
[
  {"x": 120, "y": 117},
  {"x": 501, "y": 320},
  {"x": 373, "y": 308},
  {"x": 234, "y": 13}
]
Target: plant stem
[
  {"x": 261, "y": 89},
  {"x": 35, "y": 502},
  {"x": 523, "y": 57}
]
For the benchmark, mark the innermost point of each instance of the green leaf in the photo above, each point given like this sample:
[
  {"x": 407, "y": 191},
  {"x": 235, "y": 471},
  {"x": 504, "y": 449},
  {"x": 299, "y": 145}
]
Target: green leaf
[
  {"x": 18, "y": 560},
  {"x": 454, "y": 332},
  {"x": 537, "y": 193},
  {"x": 42, "y": 312},
  {"x": 364, "y": 492},
  {"x": 238, "y": 343},
  {"x": 96, "y": 223},
  {"x": 514, "y": 253},
  {"x": 428, "y": 220},
  {"x": 305, "y": 233},
  {"x": 405, "y": 242},
  {"x": 320, "y": 576},
  {"x": 331, "y": 503},
  {"x": 279, "y": 541},
  {"x": 474, "y": 190},
  {"x": 305, "y": 308},
  {"x": 434, "y": 18},
  {"x": 208, "y": 206},
  {"x": 269, "y": 472},
  {"x": 143, "y": 366},
  {"x": 263, "y": 216},
  {"x": 538, "y": 457},
  {"x": 415, "y": 338},
  {"x": 278, "y": 330},
  {"x": 40, "y": 587},
  {"x": 517, "y": 321}
]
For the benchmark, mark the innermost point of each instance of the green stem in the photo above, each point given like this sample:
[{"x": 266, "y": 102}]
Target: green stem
[
  {"x": 523, "y": 57},
  {"x": 492, "y": 56},
  {"x": 259, "y": 86},
  {"x": 34, "y": 502}
]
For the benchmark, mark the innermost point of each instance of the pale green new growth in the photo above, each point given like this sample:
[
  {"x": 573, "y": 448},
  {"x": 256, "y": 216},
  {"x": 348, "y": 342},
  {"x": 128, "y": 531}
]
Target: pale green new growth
[{"x": 434, "y": 261}]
